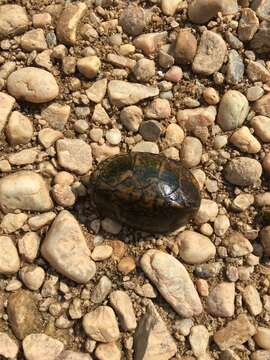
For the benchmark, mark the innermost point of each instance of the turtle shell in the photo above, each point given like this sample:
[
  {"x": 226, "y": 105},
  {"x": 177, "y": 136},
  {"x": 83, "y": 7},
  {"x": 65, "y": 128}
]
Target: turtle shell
[{"x": 146, "y": 191}]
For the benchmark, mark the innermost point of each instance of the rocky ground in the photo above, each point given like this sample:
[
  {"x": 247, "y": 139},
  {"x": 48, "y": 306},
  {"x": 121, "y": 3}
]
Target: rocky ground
[{"x": 81, "y": 81}]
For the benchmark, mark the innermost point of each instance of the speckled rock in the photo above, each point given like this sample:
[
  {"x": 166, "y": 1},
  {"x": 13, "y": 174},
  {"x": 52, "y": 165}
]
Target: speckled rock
[
  {"x": 42, "y": 347},
  {"x": 243, "y": 171}
]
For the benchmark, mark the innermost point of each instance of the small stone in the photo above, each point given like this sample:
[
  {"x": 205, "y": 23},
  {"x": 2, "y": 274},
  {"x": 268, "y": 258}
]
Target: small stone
[
  {"x": 42, "y": 20},
  {"x": 97, "y": 91},
  {"x": 260, "y": 355},
  {"x": 32, "y": 277},
  {"x": 191, "y": 152},
  {"x": 89, "y": 66},
  {"x": 257, "y": 72},
  {"x": 243, "y": 171},
  {"x": 201, "y": 117},
  {"x": 6, "y": 102},
  {"x": 150, "y": 43},
  {"x": 152, "y": 339},
  {"x": 9, "y": 258},
  {"x": 108, "y": 351},
  {"x": 261, "y": 126},
  {"x": 262, "y": 337},
  {"x": 144, "y": 70},
  {"x": 24, "y": 157},
  {"x": 133, "y": 20},
  {"x": 150, "y": 130},
  {"x": 211, "y": 96},
  {"x": 202, "y": 287},
  {"x": 73, "y": 355},
  {"x": 123, "y": 307},
  {"x": 238, "y": 245},
  {"x": 254, "y": 93},
  {"x": 252, "y": 299},
  {"x": 102, "y": 252},
  {"x": 32, "y": 84},
  {"x": 96, "y": 134},
  {"x": 100, "y": 115},
  {"x": 47, "y": 137},
  {"x": 210, "y": 55},
  {"x": 101, "y": 152},
  {"x": 260, "y": 41},
  {"x": 207, "y": 212},
  {"x": 131, "y": 117},
  {"x": 195, "y": 248},
  {"x": 171, "y": 283},
  {"x": 113, "y": 136},
  {"x": 122, "y": 93},
  {"x": 41, "y": 347},
  {"x": 170, "y": 7},
  {"x": 248, "y": 24},
  {"x": 39, "y": 221},
  {"x": 221, "y": 225},
  {"x": 220, "y": 302},
  {"x": 174, "y": 135},
  {"x": 23, "y": 314},
  {"x": 235, "y": 333},
  {"x": 262, "y": 9},
  {"x": 158, "y": 109},
  {"x": 146, "y": 146},
  {"x": 19, "y": 129},
  {"x": 28, "y": 246},
  {"x": 198, "y": 340},
  {"x": 69, "y": 21},
  {"x": 111, "y": 226},
  {"x": 5, "y": 166},
  {"x": 125, "y": 62},
  {"x": 56, "y": 115},
  {"x": 233, "y": 110},
  {"x": 235, "y": 68},
  {"x": 34, "y": 40},
  {"x": 24, "y": 190},
  {"x": 56, "y": 249},
  {"x": 245, "y": 141},
  {"x": 262, "y": 106},
  {"x": 74, "y": 155},
  {"x": 126, "y": 265},
  {"x": 13, "y": 20},
  {"x": 8, "y": 347},
  {"x": 185, "y": 47},
  {"x": 102, "y": 290},
  {"x": 13, "y": 222},
  {"x": 101, "y": 325},
  {"x": 174, "y": 74}
]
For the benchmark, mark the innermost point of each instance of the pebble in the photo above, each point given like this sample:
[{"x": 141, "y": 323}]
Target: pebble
[
  {"x": 262, "y": 106},
  {"x": 8, "y": 347},
  {"x": 122, "y": 93},
  {"x": 262, "y": 337},
  {"x": 243, "y": 171},
  {"x": 113, "y": 136},
  {"x": 210, "y": 55},
  {"x": 144, "y": 70},
  {"x": 47, "y": 137},
  {"x": 260, "y": 41},
  {"x": 248, "y": 24},
  {"x": 133, "y": 20},
  {"x": 32, "y": 84},
  {"x": 24, "y": 157},
  {"x": 261, "y": 126},
  {"x": 198, "y": 339},
  {"x": 185, "y": 47},
  {"x": 254, "y": 93},
  {"x": 235, "y": 333},
  {"x": 153, "y": 341},
  {"x": 174, "y": 285},
  {"x": 28, "y": 246},
  {"x": 75, "y": 264},
  {"x": 56, "y": 115},
  {"x": 150, "y": 130},
  {"x": 74, "y": 155},
  {"x": 101, "y": 152},
  {"x": 233, "y": 110},
  {"x": 34, "y": 40},
  {"x": 262, "y": 9},
  {"x": 42, "y": 20},
  {"x": 122, "y": 305},
  {"x": 7, "y": 102},
  {"x": 108, "y": 351},
  {"x": 238, "y": 245},
  {"x": 221, "y": 225},
  {"x": 257, "y": 72},
  {"x": 126, "y": 265},
  {"x": 101, "y": 325},
  {"x": 100, "y": 115},
  {"x": 150, "y": 43},
  {"x": 96, "y": 92},
  {"x": 211, "y": 96},
  {"x": 174, "y": 135},
  {"x": 201, "y": 117},
  {"x": 73, "y": 355},
  {"x": 195, "y": 248},
  {"x": 13, "y": 222},
  {"x": 63, "y": 195},
  {"x": 207, "y": 212},
  {"x": 102, "y": 252},
  {"x": 32, "y": 277},
  {"x": 69, "y": 21},
  {"x": 252, "y": 300},
  {"x": 9, "y": 258},
  {"x": 131, "y": 117},
  {"x": 19, "y": 129},
  {"x": 41, "y": 347},
  {"x": 191, "y": 152},
  {"x": 235, "y": 68},
  {"x": 146, "y": 146},
  {"x": 220, "y": 302},
  {"x": 245, "y": 141},
  {"x": 23, "y": 314},
  {"x": 265, "y": 239},
  {"x": 13, "y": 20},
  {"x": 102, "y": 290},
  {"x": 89, "y": 66},
  {"x": 111, "y": 226},
  {"x": 158, "y": 109},
  {"x": 260, "y": 355},
  {"x": 24, "y": 190},
  {"x": 170, "y": 7}
]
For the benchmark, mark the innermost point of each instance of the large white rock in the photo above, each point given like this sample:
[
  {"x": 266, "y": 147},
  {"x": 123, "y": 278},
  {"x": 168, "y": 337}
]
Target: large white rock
[
  {"x": 66, "y": 250},
  {"x": 173, "y": 282}
]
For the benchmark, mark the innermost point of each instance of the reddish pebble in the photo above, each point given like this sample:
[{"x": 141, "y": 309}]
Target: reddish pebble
[{"x": 174, "y": 74}]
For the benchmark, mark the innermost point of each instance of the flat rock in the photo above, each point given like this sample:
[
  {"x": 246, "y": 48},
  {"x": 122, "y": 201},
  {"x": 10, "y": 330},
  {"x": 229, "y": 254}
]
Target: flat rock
[
  {"x": 123, "y": 307},
  {"x": 235, "y": 68},
  {"x": 101, "y": 290},
  {"x": 123, "y": 93},
  {"x": 173, "y": 282},
  {"x": 252, "y": 300},
  {"x": 68, "y": 254},
  {"x": 199, "y": 117},
  {"x": 262, "y": 106},
  {"x": 6, "y": 103},
  {"x": 32, "y": 84},
  {"x": 74, "y": 155},
  {"x": 97, "y": 91},
  {"x": 13, "y": 222},
  {"x": 34, "y": 40},
  {"x": 13, "y": 20},
  {"x": 19, "y": 129},
  {"x": 24, "y": 190},
  {"x": 56, "y": 115},
  {"x": 23, "y": 314},
  {"x": 195, "y": 248},
  {"x": 41, "y": 347},
  {"x": 152, "y": 338},
  {"x": 235, "y": 333},
  {"x": 220, "y": 302},
  {"x": 9, "y": 258},
  {"x": 101, "y": 324},
  {"x": 210, "y": 55},
  {"x": 248, "y": 24},
  {"x": 8, "y": 347},
  {"x": 69, "y": 21},
  {"x": 198, "y": 339}
]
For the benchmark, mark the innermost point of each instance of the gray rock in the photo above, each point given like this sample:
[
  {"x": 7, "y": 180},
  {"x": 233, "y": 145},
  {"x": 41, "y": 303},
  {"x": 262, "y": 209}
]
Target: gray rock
[
  {"x": 150, "y": 130},
  {"x": 243, "y": 171},
  {"x": 235, "y": 68},
  {"x": 102, "y": 290}
]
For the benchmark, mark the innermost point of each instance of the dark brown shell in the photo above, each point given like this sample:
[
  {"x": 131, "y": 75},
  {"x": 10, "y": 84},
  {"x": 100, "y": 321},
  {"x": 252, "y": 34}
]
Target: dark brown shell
[{"x": 146, "y": 191}]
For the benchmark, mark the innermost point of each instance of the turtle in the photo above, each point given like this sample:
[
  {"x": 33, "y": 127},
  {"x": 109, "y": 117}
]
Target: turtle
[{"x": 145, "y": 191}]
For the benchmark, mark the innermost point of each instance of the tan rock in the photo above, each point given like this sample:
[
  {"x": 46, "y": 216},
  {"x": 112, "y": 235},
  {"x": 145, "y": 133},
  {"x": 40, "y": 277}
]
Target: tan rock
[
  {"x": 34, "y": 40},
  {"x": 8, "y": 346},
  {"x": 220, "y": 302},
  {"x": 248, "y": 24},
  {"x": 28, "y": 246},
  {"x": 97, "y": 91},
  {"x": 133, "y": 20},
  {"x": 13, "y": 20},
  {"x": 243, "y": 171},
  {"x": 185, "y": 47},
  {"x": 19, "y": 129},
  {"x": 238, "y": 245},
  {"x": 6, "y": 102},
  {"x": 9, "y": 259},
  {"x": 150, "y": 43},
  {"x": 252, "y": 299},
  {"x": 13, "y": 222},
  {"x": 41, "y": 347},
  {"x": 122, "y": 305},
  {"x": 261, "y": 126},
  {"x": 262, "y": 106},
  {"x": 23, "y": 157},
  {"x": 189, "y": 119},
  {"x": 56, "y": 115},
  {"x": 89, "y": 66},
  {"x": 47, "y": 137},
  {"x": 262, "y": 337},
  {"x": 245, "y": 141}
]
